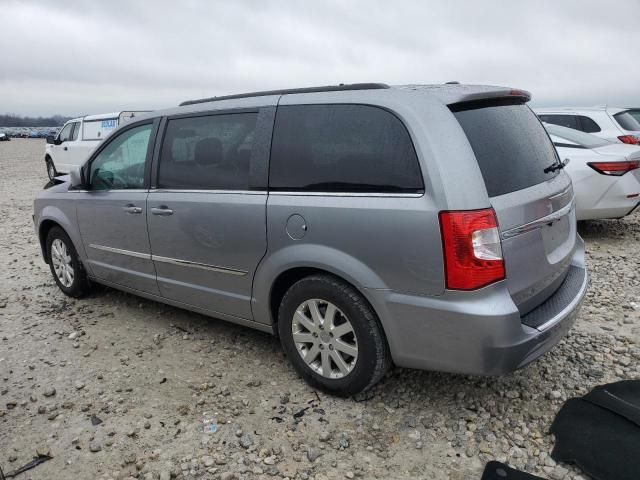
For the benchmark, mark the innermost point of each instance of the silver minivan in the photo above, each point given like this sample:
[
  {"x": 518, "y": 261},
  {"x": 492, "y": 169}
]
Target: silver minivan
[{"x": 427, "y": 226}]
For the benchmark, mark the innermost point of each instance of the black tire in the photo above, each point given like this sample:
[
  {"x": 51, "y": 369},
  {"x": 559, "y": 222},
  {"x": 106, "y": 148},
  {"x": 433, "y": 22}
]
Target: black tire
[
  {"x": 51, "y": 168},
  {"x": 373, "y": 357},
  {"x": 80, "y": 285}
]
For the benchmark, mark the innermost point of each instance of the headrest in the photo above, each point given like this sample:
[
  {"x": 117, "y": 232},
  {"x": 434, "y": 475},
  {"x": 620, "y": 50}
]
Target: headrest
[{"x": 208, "y": 151}]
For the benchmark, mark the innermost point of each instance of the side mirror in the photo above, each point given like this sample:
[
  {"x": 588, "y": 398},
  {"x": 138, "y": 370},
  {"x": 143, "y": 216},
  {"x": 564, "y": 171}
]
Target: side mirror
[
  {"x": 75, "y": 178},
  {"x": 51, "y": 139}
]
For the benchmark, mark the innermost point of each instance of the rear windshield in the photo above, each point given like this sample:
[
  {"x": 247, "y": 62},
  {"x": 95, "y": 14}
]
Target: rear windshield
[
  {"x": 627, "y": 121},
  {"x": 635, "y": 113},
  {"x": 510, "y": 144},
  {"x": 581, "y": 138}
]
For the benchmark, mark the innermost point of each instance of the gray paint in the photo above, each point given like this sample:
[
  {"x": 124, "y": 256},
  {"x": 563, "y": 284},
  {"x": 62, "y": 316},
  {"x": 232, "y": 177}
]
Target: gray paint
[{"x": 387, "y": 246}]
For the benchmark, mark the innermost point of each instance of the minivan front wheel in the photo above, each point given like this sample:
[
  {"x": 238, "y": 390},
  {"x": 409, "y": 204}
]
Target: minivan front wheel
[
  {"x": 332, "y": 336},
  {"x": 65, "y": 264},
  {"x": 51, "y": 169}
]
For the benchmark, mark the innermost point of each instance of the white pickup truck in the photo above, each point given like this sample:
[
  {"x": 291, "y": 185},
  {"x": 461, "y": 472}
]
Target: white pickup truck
[{"x": 78, "y": 137}]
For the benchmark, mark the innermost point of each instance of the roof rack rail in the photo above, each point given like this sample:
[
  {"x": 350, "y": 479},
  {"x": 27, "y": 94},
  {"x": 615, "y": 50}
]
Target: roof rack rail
[{"x": 326, "y": 88}]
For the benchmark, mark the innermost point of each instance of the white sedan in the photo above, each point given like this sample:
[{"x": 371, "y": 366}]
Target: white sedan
[{"x": 605, "y": 175}]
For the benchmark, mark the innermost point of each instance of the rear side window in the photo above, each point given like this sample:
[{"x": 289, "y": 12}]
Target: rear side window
[
  {"x": 342, "y": 148},
  {"x": 569, "y": 121},
  {"x": 208, "y": 152},
  {"x": 588, "y": 125},
  {"x": 576, "y": 122},
  {"x": 510, "y": 144},
  {"x": 627, "y": 121}
]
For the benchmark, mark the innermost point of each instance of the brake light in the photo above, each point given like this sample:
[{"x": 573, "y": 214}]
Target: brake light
[
  {"x": 472, "y": 249},
  {"x": 614, "y": 168},
  {"x": 629, "y": 139}
]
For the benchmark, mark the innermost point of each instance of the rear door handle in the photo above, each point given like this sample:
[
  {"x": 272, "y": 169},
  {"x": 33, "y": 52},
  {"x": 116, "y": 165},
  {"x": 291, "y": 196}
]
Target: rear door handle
[
  {"x": 130, "y": 208},
  {"x": 162, "y": 210}
]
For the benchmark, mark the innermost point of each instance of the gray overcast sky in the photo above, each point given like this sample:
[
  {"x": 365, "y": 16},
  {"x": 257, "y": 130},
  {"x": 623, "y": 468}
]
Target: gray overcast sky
[{"x": 79, "y": 57}]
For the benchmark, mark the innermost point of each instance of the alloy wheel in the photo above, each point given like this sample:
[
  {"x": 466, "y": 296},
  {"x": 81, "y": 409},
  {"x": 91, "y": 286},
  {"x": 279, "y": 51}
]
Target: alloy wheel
[
  {"x": 325, "y": 338},
  {"x": 61, "y": 260}
]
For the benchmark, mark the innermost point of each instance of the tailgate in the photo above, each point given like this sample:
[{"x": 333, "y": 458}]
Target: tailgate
[
  {"x": 532, "y": 197},
  {"x": 538, "y": 233}
]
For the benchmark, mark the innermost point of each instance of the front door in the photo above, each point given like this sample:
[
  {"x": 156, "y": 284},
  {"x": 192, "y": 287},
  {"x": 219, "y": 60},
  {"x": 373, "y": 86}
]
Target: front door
[
  {"x": 206, "y": 225},
  {"x": 112, "y": 213},
  {"x": 60, "y": 151}
]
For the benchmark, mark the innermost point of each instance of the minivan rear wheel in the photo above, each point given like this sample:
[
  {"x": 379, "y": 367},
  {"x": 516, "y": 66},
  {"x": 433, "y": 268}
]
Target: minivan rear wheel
[{"x": 332, "y": 336}]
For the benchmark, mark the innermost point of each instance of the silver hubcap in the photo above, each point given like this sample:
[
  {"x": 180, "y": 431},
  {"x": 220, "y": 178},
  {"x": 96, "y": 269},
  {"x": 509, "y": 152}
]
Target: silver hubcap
[
  {"x": 324, "y": 338},
  {"x": 62, "y": 262},
  {"x": 51, "y": 170}
]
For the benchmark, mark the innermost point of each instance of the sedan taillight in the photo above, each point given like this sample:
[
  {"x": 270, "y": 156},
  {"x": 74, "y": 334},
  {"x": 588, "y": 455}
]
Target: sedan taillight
[
  {"x": 629, "y": 139},
  {"x": 472, "y": 249},
  {"x": 614, "y": 168}
]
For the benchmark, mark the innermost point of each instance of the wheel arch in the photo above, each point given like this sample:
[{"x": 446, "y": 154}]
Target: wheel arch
[
  {"x": 279, "y": 271},
  {"x": 51, "y": 217}
]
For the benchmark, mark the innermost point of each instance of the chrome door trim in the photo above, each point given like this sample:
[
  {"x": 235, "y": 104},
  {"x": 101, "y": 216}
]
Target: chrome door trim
[
  {"x": 347, "y": 194},
  {"x": 228, "y": 192},
  {"x": 204, "y": 266},
  {"x": 527, "y": 227},
  {"x": 120, "y": 251},
  {"x": 173, "y": 261}
]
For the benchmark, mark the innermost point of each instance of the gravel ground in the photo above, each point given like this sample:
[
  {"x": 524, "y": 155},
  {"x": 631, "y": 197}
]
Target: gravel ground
[{"x": 114, "y": 386}]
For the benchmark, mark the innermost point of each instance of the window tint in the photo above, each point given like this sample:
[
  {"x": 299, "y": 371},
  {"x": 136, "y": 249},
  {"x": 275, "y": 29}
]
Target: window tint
[
  {"x": 120, "y": 165},
  {"x": 65, "y": 134},
  {"x": 569, "y": 121},
  {"x": 208, "y": 152},
  {"x": 511, "y": 145},
  {"x": 344, "y": 148},
  {"x": 588, "y": 125},
  {"x": 627, "y": 121}
]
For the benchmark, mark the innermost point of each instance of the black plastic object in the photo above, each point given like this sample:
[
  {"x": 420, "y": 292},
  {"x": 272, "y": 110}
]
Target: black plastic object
[
  {"x": 600, "y": 432},
  {"x": 499, "y": 471}
]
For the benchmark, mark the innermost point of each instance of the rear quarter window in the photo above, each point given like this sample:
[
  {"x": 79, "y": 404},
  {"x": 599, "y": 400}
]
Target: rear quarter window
[
  {"x": 509, "y": 142},
  {"x": 342, "y": 148}
]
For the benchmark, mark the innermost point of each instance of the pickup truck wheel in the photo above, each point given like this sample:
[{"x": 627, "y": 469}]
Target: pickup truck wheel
[
  {"x": 332, "y": 336},
  {"x": 66, "y": 268},
  {"x": 51, "y": 169}
]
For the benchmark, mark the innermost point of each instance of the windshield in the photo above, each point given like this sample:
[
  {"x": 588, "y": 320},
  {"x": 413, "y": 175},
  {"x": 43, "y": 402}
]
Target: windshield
[
  {"x": 627, "y": 121},
  {"x": 581, "y": 138}
]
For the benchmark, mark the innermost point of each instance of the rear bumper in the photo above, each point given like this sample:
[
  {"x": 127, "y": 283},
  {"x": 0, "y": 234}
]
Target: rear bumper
[{"x": 479, "y": 332}]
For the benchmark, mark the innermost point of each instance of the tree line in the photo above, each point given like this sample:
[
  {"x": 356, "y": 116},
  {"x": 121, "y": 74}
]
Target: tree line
[{"x": 11, "y": 120}]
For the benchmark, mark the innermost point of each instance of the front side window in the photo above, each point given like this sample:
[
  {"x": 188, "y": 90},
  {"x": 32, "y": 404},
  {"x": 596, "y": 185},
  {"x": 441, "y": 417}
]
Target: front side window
[
  {"x": 121, "y": 164},
  {"x": 65, "y": 134},
  {"x": 76, "y": 130},
  {"x": 210, "y": 152},
  {"x": 342, "y": 148}
]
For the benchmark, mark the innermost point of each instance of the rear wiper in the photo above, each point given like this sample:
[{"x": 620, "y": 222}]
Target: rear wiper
[{"x": 556, "y": 166}]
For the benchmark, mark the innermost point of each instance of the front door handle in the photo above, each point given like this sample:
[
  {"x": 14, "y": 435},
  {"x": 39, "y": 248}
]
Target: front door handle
[
  {"x": 130, "y": 208},
  {"x": 65, "y": 149},
  {"x": 162, "y": 210}
]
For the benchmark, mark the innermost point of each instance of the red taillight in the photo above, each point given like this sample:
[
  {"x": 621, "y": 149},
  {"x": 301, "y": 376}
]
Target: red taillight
[
  {"x": 472, "y": 250},
  {"x": 614, "y": 168},
  {"x": 629, "y": 139}
]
